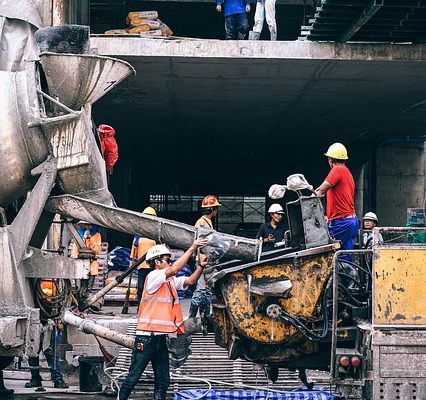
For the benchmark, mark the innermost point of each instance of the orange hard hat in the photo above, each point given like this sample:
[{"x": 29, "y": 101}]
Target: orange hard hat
[{"x": 210, "y": 201}]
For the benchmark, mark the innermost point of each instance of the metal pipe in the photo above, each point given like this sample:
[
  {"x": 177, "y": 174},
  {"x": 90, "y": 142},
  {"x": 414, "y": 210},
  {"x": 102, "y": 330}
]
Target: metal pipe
[
  {"x": 58, "y": 103},
  {"x": 118, "y": 279},
  {"x": 161, "y": 230},
  {"x": 91, "y": 327}
]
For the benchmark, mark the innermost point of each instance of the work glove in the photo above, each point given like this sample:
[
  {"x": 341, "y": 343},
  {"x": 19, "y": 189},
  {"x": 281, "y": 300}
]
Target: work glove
[{"x": 86, "y": 234}]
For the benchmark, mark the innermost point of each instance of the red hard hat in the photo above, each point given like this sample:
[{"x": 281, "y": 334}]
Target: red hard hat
[
  {"x": 210, "y": 201},
  {"x": 106, "y": 130}
]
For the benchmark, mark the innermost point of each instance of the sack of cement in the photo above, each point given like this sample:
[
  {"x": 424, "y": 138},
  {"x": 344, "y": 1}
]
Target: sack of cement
[
  {"x": 135, "y": 15},
  {"x": 140, "y": 28},
  {"x": 116, "y": 32},
  {"x": 155, "y": 32},
  {"x": 151, "y": 23},
  {"x": 165, "y": 30}
]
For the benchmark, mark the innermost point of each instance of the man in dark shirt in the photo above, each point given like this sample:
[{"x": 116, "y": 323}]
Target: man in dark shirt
[{"x": 273, "y": 231}]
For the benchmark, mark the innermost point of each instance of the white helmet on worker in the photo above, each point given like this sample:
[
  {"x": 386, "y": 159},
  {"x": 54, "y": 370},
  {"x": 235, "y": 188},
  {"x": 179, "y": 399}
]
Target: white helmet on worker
[
  {"x": 149, "y": 211},
  {"x": 337, "y": 151},
  {"x": 371, "y": 216},
  {"x": 157, "y": 251},
  {"x": 275, "y": 209}
]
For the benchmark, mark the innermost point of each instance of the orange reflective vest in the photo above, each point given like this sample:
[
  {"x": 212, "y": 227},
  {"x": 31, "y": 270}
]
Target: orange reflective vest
[
  {"x": 48, "y": 286},
  {"x": 94, "y": 244},
  {"x": 137, "y": 251},
  {"x": 161, "y": 311}
]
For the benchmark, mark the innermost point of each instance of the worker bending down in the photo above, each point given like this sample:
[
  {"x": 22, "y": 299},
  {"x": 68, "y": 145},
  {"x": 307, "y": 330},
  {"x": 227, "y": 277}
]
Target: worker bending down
[{"x": 160, "y": 315}]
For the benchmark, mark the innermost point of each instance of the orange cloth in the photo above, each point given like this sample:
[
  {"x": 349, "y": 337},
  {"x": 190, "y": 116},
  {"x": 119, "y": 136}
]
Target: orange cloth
[{"x": 161, "y": 311}]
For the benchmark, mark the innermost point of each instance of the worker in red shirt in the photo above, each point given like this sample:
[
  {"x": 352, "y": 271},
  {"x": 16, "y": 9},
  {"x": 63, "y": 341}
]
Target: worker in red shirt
[{"x": 339, "y": 189}]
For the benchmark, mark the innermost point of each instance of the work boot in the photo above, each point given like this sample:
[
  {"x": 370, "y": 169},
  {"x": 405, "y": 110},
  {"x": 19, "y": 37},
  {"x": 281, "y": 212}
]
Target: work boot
[
  {"x": 193, "y": 309},
  {"x": 34, "y": 383},
  {"x": 254, "y": 35},
  {"x": 3, "y": 391},
  {"x": 61, "y": 384}
]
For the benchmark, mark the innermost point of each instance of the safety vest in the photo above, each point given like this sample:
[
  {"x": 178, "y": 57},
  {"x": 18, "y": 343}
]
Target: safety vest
[
  {"x": 140, "y": 246},
  {"x": 94, "y": 244},
  {"x": 48, "y": 287},
  {"x": 161, "y": 311}
]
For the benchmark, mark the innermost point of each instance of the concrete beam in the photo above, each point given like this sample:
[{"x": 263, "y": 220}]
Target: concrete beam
[{"x": 304, "y": 50}]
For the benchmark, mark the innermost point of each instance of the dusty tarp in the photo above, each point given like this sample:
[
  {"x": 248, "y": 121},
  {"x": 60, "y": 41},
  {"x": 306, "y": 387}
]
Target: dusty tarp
[{"x": 18, "y": 22}]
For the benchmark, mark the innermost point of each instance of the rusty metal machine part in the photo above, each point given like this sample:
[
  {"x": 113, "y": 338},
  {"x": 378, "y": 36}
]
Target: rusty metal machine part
[{"x": 255, "y": 317}]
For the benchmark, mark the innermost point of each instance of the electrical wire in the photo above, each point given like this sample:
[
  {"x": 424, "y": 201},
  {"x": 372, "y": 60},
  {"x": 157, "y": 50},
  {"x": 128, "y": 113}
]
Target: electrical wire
[{"x": 52, "y": 305}]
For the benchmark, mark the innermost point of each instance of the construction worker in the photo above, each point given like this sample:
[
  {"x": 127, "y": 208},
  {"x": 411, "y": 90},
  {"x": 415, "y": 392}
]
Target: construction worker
[
  {"x": 201, "y": 298},
  {"x": 140, "y": 246},
  {"x": 339, "y": 189},
  {"x": 236, "y": 21},
  {"x": 160, "y": 315},
  {"x": 273, "y": 231},
  {"x": 109, "y": 147},
  {"x": 52, "y": 359},
  {"x": 369, "y": 221},
  {"x": 264, "y": 7},
  {"x": 92, "y": 239}
]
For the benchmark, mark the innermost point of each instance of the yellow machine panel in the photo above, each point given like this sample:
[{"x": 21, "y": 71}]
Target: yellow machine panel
[{"x": 399, "y": 292}]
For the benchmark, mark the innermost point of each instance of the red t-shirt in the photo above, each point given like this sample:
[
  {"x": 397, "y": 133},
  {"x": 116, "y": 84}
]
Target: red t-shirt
[{"x": 340, "y": 198}]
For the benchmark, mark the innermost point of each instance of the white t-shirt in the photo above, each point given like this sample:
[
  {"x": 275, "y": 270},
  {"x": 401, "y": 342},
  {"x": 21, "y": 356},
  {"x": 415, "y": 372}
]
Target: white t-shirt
[
  {"x": 157, "y": 277},
  {"x": 153, "y": 282}
]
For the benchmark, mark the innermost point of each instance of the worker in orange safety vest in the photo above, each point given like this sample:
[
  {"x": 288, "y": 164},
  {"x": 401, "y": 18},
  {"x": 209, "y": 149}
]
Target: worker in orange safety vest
[
  {"x": 140, "y": 246},
  {"x": 160, "y": 315}
]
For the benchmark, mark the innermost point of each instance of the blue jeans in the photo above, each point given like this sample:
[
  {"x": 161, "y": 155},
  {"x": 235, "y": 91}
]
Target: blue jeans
[
  {"x": 235, "y": 24},
  {"x": 345, "y": 230},
  {"x": 146, "y": 349}
]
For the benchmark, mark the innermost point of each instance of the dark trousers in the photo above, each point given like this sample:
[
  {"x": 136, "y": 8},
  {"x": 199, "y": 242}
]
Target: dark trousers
[
  {"x": 236, "y": 24},
  {"x": 142, "y": 274},
  {"x": 52, "y": 360},
  {"x": 146, "y": 349}
]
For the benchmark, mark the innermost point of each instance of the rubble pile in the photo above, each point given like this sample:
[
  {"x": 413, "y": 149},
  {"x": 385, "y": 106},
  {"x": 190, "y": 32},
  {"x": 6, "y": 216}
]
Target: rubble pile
[{"x": 145, "y": 23}]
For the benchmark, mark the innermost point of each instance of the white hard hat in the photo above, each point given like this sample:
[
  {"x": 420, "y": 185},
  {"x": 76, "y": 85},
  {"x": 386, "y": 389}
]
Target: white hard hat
[
  {"x": 276, "y": 191},
  {"x": 157, "y": 251},
  {"x": 371, "y": 216},
  {"x": 275, "y": 208}
]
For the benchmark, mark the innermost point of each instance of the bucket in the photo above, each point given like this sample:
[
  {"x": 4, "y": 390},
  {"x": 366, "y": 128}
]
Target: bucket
[{"x": 91, "y": 373}]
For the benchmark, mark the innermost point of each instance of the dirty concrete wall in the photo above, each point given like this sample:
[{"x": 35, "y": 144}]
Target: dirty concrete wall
[{"x": 400, "y": 181}]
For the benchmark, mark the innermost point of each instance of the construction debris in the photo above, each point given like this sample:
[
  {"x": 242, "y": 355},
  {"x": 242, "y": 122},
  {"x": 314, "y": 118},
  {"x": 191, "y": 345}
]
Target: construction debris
[{"x": 145, "y": 23}]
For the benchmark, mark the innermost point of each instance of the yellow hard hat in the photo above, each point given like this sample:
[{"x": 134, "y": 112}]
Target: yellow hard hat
[
  {"x": 337, "y": 151},
  {"x": 149, "y": 211}
]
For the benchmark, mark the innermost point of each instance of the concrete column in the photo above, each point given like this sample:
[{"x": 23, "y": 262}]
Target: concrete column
[
  {"x": 358, "y": 174},
  {"x": 400, "y": 180}
]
